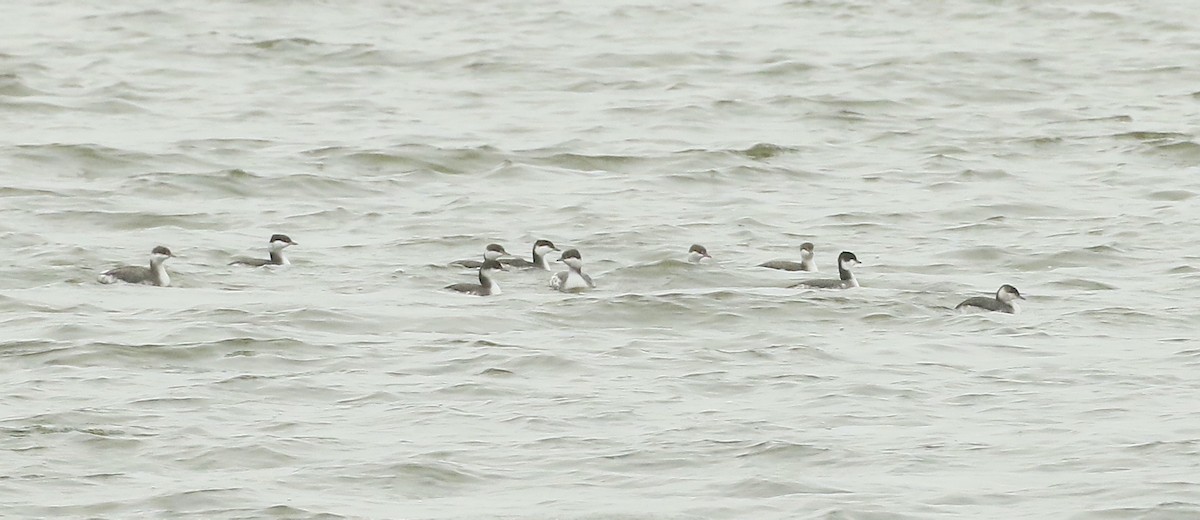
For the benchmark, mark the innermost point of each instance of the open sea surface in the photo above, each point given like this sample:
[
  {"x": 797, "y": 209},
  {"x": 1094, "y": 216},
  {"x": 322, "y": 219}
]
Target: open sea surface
[{"x": 953, "y": 146}]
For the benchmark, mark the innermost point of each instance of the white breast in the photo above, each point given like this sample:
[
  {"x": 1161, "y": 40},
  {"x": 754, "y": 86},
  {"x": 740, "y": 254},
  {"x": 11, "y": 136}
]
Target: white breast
[
  {"x": 162, "y": 274},
  {"x": 574, "y": 281}
]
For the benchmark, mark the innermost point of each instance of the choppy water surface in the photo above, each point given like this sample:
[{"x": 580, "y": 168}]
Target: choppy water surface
[{"x": 952, "y": 146}]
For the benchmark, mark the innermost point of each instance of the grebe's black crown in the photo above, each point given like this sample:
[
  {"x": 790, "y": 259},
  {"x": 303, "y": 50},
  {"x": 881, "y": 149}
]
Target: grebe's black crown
[{"x": 570, "y": 253}]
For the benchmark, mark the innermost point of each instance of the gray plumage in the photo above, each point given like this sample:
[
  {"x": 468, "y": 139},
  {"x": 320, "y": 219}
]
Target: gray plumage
[
  {"x": 487, "y": 286},
  {"x": 156, "y": 274},
  {"x": 253, "y": 262},
  {"x": 696, "y": 253},
  {"x": 824, "y": 283},
  {"x": 807, "y": 261},
  {"x": 518, "y": 263},
  {"x": 560, "y": 280},
  {"x": 573, "y": 279},
  {"x": 541, "y": 248},
  {"x": 787, "y": 265},
  {"x": 132, "y": 274},
  {"x": 275, "y": 245},
  {"x": 491, "y": 252},
  {"x": 1004, "y": 301},
  {"x": 845, "y": 280}
]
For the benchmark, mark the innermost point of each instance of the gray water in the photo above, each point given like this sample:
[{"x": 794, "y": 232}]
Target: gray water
[{"x": 953, "y": 146}]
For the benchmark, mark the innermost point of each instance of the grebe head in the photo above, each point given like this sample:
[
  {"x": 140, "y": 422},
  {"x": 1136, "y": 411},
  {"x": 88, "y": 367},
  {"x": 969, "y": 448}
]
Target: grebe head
[
  {"x": 491, "y": 266},
  {"x": 278, "y": 242},
  {"x": 1008, "y": 294},
  {"x": 806, "y": 251},
  {"x": 543, "y": 247},
  {"x": 572, "y": 258},
  {"x": 160, "y": 254},
  {"x": 846, "y": 260},
  {"x": 494, "y": 251}
]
